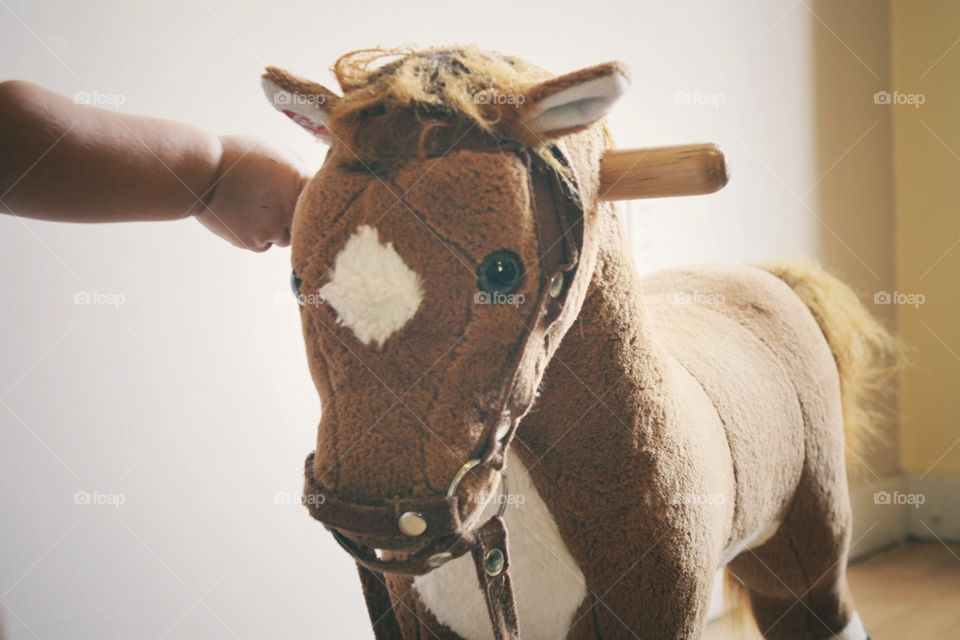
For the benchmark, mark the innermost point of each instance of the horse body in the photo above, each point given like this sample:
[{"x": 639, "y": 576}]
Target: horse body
[{"x": 653, "y": 429}]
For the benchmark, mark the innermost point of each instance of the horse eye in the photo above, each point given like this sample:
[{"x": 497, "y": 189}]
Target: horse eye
[
  {"x": 295, "y": 283},
  {"x": 500, "y": 272}
]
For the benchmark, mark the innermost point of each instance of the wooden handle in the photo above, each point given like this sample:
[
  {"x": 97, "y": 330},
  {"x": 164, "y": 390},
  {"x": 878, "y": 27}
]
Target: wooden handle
[{"x": 687, "y": 170}]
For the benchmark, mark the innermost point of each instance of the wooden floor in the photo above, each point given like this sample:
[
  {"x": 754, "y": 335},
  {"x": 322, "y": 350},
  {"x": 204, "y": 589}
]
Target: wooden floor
[{"x": 909, "y": 591}]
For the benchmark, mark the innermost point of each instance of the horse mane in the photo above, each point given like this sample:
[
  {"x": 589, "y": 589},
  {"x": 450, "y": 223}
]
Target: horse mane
[{"x": 441, "y": 84}]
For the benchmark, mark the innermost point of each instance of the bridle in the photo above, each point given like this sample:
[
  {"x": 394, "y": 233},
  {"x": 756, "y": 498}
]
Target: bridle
[{"x": 422, "y": 534}]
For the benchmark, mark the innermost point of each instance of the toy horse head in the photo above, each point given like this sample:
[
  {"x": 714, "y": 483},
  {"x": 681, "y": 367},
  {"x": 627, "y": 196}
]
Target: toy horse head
[{"x": 440, "y": 255}]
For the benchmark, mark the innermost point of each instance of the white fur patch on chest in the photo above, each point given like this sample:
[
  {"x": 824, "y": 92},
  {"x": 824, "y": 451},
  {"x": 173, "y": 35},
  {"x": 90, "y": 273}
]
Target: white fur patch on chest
[
  {"x": 372, "y": 289},
  {"x": 548, "y": 585}
]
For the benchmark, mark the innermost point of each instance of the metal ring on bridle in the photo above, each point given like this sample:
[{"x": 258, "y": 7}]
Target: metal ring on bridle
[
  {"x": 467, "y": 468},
  {"x": 504, "y": 495},
  {"x": 457, "y": 479}
]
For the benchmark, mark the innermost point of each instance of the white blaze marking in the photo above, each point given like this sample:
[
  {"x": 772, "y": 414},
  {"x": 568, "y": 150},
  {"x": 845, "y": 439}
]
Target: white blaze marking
[
  {"x": 372, "y": 289},
  {"x": 548, "y": 584}
]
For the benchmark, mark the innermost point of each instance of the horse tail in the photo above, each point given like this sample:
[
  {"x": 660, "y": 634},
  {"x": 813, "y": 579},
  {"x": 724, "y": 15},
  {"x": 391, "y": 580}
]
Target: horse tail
[
  {"x": 865, "y": 352},
  {"x": 736, "y": 602}
]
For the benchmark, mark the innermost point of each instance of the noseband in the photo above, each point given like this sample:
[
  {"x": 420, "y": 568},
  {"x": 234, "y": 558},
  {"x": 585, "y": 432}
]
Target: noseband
[{"x": 416, "y": 535}]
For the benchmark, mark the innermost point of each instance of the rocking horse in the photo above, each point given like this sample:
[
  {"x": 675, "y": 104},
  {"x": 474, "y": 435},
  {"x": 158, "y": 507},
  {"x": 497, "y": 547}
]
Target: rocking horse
[{"x": 489, "y": 361}]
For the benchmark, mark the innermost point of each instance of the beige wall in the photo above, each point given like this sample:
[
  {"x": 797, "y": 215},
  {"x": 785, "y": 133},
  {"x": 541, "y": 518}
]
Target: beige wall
[
  {"x": 854, "y": 197},
  {"x": 926, "y": 61},
  {"x": 812, "y": 175}
]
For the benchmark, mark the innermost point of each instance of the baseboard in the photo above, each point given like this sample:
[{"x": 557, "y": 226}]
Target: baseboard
[
  {"x": 933, "y": 507},
  {"x": 890, "y": 509}
]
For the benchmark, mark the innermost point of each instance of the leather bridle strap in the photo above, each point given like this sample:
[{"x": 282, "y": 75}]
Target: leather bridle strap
[
  {"x": 556, "y": 214},
  {"x": 361, "y": 528},
  {"x": 492, "y": 562},
  {"x": 385, "y": 624}
]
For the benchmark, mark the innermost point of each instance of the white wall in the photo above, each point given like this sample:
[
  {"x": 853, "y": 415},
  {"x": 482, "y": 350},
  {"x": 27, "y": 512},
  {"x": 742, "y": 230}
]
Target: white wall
[{"x": 192, "y": 400}]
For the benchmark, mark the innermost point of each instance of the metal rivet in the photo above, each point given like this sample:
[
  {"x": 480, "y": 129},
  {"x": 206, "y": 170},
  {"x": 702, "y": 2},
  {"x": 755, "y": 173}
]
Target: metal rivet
[
  {"x": 438, "y": 559},
  {"x": 412, "y": 524},
  {"x": 555, "y": 287},
  {"x": 493, "y": 562}
]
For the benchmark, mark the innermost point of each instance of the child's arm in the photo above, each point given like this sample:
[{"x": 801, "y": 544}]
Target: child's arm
[{"x": 64, "y": 161}]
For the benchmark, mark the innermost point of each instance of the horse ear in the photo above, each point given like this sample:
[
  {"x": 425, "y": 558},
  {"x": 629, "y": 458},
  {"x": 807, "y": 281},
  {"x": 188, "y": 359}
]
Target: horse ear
[
  {"x": 303, "y": 101},
  {"x": 574, "y": 101}
]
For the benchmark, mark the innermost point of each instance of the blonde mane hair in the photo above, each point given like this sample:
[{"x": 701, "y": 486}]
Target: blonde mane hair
[{"x": 441, "y": 85}]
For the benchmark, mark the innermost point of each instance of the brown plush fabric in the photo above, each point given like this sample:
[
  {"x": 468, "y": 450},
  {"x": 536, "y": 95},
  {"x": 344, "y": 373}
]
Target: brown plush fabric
[{"x": 678, "y": 414}]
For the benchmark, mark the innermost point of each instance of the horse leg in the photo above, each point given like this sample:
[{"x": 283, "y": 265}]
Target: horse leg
[
  {"x": 656, "y": 591},
  {"x": 797, "y": 580}
]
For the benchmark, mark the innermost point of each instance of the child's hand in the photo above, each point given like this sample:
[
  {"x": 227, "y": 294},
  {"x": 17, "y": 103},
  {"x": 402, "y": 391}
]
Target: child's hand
[
  {"x": 60, "y": 160},
  {"x": 256, "y": 191}
]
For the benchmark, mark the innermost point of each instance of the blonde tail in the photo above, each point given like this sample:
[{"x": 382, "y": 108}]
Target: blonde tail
[{"x": 865, "y": 352}]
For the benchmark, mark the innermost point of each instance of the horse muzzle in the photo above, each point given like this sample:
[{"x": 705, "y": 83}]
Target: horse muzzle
[{"x": 409, "y": 536}]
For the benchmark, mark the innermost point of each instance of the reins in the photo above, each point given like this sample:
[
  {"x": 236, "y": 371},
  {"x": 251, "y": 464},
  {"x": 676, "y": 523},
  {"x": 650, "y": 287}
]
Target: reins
[{"x": 414, "y": 536}]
